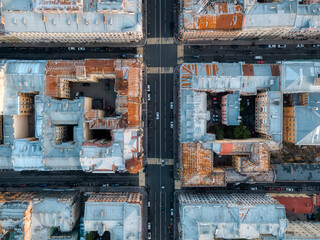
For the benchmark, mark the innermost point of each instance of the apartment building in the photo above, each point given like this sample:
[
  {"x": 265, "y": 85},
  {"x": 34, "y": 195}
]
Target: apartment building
[
  {"x": 230, "y": 216},
  {"x": 79, "y": 21},
  {"x": 57, "y": 131},
  {"x": 248, "y": 19},
  {"x": 119, "y": 213}
]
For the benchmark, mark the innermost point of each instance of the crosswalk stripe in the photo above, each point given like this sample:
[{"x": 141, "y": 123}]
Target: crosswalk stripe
[
  {"x": 151, "y": 41},
  {"x": 161, "y": 70},
  {"x": 158, "y": 161}
]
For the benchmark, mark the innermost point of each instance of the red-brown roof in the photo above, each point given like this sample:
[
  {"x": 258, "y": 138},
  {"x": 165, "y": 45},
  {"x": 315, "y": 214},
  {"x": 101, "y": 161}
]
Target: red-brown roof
[{"x": 296, "y": 204}]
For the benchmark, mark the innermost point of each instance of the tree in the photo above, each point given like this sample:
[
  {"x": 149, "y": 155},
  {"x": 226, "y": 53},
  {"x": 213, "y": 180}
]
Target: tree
[
  {"x": 241, "y": 132},
  {"x": 219, "y": 133}
]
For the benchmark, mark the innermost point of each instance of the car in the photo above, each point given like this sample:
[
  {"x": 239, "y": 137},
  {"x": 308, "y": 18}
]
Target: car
[
  {"x": 247, "y": 52},
  {"x": 215, "y": 118},
  {"x": 149, "y": 123},
  {"x": 123, "y": 56},
  {"x": 278, "y": 189},
  {"x": 42, "y": 185},
  {"x": 316, "y": 45},
  {"x": 300, "y": 45},
  {"x": 78, "y": 95},
  {"x": 196, "y": 56},
  {"x": 260, "y": 62},
  {"x": 81, "y": 48},
  {"x": 215, "y": 98},
  {"x": 299, "y": 189},
  {"x": 149, "y": 225},
  {"x": 137, "y": 56},
  {"x": 196, "y": 47},
  {"x": 171, "y": 117},
  {"x": 281, "y": 46},
  {"x": 171, "y": 124},
  {"x": 149, "y": 97},
  {"x": 270, "y": 188},
  {"x": 234, "y": 46},
  {"x": 248, "y": 102},
  {"x": 148, "y": 88},
  {"x": 171, "y": 212},
  {"x": 157, "y": 115},
  {"x": 272, "y": 46},
  {"x": 263, "y": 46},
  {"x": 289, "y": 189},
  {"x": 149, "y": 204},
  {"x": 22, "y": 185},
  {"x": 162, "y": 188},
  {"x": 107, "y": 87},
  {"x": 71, "y": 48},
  {"x": 258, "y": 57},
  {"x": 253, "y": 188},
  {"x": 86, "y": 84},
  {"x": 149, "y": 235},
  {"x": 171, "y": 105},
  {"x": 105, "y": 185},
  {"x": 162, "y": 209},
  {"x": 163, "y": 164}
]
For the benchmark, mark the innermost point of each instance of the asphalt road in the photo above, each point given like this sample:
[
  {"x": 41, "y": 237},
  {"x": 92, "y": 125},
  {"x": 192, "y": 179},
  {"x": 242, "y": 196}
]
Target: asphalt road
[{"x": 247, "y": 53}]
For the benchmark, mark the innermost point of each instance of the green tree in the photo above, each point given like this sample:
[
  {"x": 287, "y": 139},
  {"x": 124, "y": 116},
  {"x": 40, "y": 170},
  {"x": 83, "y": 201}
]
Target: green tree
[
  {"x": 241, "y": 132},
  {"x": 219, "y": 133}
]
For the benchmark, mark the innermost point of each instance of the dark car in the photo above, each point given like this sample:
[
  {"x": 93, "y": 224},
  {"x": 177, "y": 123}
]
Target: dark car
[
  {"x": 149, "y": 123},
  {"x": 247, "y": 52},
  {"x": 162, "y": 209},
  {"x": 270, "y": 188},
  {"x": 86, "y": 84},
  {"x": 263, "y": 46},
  {"x": 22, "y": 185},
  {"x": 42, "y": 185},
  {"x": 107, "y": 87},
  {"x": 234, "y": 46},
  {"x": 196, "y": 56},
  {"x": 196, "y": 47},
  {"x": 123, "y": 55},
  {"x": 299, "y": 189}
]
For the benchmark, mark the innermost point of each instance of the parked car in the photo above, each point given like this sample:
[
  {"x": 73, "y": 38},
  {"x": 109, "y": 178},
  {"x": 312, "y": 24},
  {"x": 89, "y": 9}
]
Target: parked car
[
  {"x": 78, "y": 95},
  {"x": 278, "y": 189},
  {"x": 300, "y": 45},
  {"x": 272, "y": 46},
  {"x": 107, "y": 87},
  {"x": 289, "y": 189},
  {"x": 234, "y": 46},
  {"x": 196, "y": 56},
  {"x": 149, "y": 235},
  {"x": 215, "y": 118},
  {"x": 247, "y": 52},
  {"x": 157, "y": 115},
  {"x": 149, "y": 225},
  {"x": 171, "y": 105},
  {"x": 171, "y": 124},
  {"x": 22, "y": 185},
  {"x": 171, "y": 212},
  {"x": 137, "y": 56},
  {"x": 81, "y": 48},
  {"x": 316, "y": 45},
  {"x": 42, "y": 185},
  {"x": 281, "y": 46},
  {"x": 196, "y": 47},
  {"x": 86, "y": 84},
  {"x": 71, "y": 48},
  {"x": 258, "y": 57},
  {"x": 149, "y": 204},
  {"x": 263, "y": 46},
  {"x": 162, "y": 188},
  {"x": 270, "y": 188},
  {"x": 149, "y": 123},
  {"x": 260, "y": 62},
  {"x": 149, "y": 97},
  {"x": 162, "y": 209},
  {"x": 253, "y": 188},
  {"x": 215, "y": 98},
  {"x": 299, "y": 189},
  {"x": 148, "y": 88},
  {"x": 123, "y": 56}
]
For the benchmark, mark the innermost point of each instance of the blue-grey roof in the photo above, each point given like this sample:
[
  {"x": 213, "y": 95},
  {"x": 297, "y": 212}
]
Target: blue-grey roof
[
  {"x": 274, "y": 115},
  {"x": 299, "y": 76},
  {"x": 232, "y": 109},
  {"x": 230, "y": 216}
]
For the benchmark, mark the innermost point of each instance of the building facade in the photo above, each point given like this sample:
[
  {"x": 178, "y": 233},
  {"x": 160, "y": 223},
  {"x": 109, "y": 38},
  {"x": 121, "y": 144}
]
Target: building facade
[
  {"x": 248, "y": 19},
  {"x": 80, "y": 21}
]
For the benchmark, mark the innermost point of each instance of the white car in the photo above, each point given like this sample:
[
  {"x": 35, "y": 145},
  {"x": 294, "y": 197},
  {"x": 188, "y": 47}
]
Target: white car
[
  {"x": 289, "y": 189},
  {"x": 253, "y": 188},
  {"x": 258, "y": 57},
  {"x": 148, "y": 88},
  {"x": 316, "y": 45},
  {"x": 282, "y": 46},
  {"x": 81, "y": 48},
  {"x": 300, "y": 45},
  {"x": 171, "y": 124},
  {"x": 272, "y": 46},
  {"x": 149, "y": 225},
  {"x": 149, "y": 235},
  {"x": 162, "y": 188},
  {"x": 157, "y": 115},
  {"x": 163, "y": 163},
  {"x": 149, "y": 204},
  {"x": 171, "y": 105},
  {"x": 71, "y": 48},
  {"x": 137, "y": 56},
  {"x": 149, "y": 97},
  {"x": 171, "y": 212}
]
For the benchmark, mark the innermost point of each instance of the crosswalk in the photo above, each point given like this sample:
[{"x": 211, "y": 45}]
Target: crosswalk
[
  {"x": 151, "y": 41},
  {"x": 158, "y": 161},
  {"x": 142, "y": 179},
  {"x": 161, "y": 70}
]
